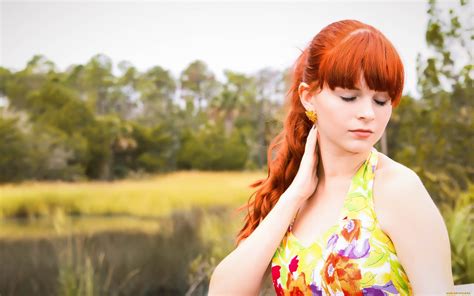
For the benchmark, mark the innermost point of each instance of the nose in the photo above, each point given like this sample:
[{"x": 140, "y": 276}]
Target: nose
[{"x": 366, "y": 110}]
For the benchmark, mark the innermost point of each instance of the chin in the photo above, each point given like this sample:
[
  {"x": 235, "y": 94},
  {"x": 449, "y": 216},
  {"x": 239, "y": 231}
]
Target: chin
[{"x": 358, "y": 146}]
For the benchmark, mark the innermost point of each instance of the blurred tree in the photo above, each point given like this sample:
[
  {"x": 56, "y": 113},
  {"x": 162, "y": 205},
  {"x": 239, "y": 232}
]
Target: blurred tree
[
  {"x": 17, "y": 86},
  {"x": 444, "y": 126},
  {"x": 97, "y": 81},
  {"x": 157, "y": 88},
  {"x": 14, "y": 152},
  {"x": 5, "y": 74},
  {"x": 197, "y": 84},
  {"x": 237, "y": 97},
  {"x": 210, "y": 149},
  {"x": 155, "y": 148},
  {"x": 270, "y": 86},
  {"x": 124, "y": 96}
]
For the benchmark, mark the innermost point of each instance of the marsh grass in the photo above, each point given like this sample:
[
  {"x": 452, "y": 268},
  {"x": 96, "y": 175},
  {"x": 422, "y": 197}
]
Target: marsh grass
[
  {"x": 154, "y": 196},
  {"x": 176, "y": 259},
  {"x": 161, "y": 235}
]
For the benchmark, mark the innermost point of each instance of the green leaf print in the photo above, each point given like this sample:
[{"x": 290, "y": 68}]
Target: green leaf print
[
  {"x": 368, "y": 279},
  {"x": 377, "y": 258},
  {"x": 283, "y": 275},
  {"x": 359, "y": 182},
  {"x": 399, "y": 278},
  {"x": 278, "y": 254},
  {"x": 356, "y": 203}
]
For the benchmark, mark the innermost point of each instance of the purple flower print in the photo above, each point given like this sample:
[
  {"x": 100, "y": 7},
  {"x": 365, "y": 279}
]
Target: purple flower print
[
  {"x": 354, "y": 250},
  {"x": 379, "y": 290},
  {"x": 349, "y": 225},
  {"x": 332, "y": 240},
  {"x": 315, "y": 290}
]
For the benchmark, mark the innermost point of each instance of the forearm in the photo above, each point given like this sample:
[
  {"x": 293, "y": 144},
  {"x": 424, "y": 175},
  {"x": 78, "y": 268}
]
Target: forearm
[{"x": 242, "y": 271}]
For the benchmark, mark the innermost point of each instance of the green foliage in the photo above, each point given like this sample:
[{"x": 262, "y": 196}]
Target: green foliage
[
  {"x": 449, "y": 37},
  {"x": 55, "y": 155},
  {"x": 14, "y": 151},
  {"x": 210, "y": 149},
  {"x": 432, "y": 142},
  {"x": 431, "y": 135},
  {"x": 76, "y": 274},
  {"x": 155, "y": 148},
  {"x": 57, "y": 106},
  {"x": 460, "y": 222},
  {"x": 86, "y": 123},
  {"x": 99, "y": 138},
  {"x": 38, "y": 151},
  {"x": 4, "y": 75}
]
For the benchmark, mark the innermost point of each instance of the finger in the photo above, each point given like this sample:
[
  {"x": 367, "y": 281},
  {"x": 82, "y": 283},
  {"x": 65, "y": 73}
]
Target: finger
[
  {"x": 312, "y": 136},
  {"x": 311, "y": 142},
  {"x": 316, "y": 139},
  {"x": 315, "y": 127},
  {"x": 316, "y": 131}
]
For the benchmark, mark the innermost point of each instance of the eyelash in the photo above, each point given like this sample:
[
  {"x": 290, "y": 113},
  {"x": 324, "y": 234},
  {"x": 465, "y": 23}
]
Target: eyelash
[{"x": 353, "y": 98}]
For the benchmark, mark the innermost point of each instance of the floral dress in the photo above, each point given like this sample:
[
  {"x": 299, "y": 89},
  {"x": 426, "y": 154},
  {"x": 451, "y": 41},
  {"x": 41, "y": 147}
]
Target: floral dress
[{"x": 353, "y": 257}]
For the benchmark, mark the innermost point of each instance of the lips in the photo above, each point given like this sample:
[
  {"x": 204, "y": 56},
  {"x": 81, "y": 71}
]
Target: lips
[
  {"x": 362, "y": 130},
  {"x": 361, "y": 133}
]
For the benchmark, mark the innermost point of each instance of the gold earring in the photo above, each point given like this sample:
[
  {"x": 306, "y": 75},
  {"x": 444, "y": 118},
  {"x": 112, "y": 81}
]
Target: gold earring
[{"x": 311, "y": 115}]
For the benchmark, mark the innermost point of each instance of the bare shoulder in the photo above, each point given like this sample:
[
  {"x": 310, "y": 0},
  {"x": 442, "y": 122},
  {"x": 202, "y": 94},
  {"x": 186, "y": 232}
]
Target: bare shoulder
[
  {"x": 396, "y": 188},
  {"x": 408, "y": 215},
  {"x": 388, "y": 167}
]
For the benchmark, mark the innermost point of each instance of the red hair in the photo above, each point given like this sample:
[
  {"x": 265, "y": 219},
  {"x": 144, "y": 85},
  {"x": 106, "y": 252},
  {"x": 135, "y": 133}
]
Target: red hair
[{"x": 335, "y": 57}]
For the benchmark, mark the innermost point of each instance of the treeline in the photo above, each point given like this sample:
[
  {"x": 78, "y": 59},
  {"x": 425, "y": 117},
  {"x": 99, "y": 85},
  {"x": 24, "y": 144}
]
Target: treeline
[{"x": 87, "y": 123}]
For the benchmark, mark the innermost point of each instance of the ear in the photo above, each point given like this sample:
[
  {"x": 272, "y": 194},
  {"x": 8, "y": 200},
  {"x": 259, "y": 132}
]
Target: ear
[{"x": 305, "y": 97}]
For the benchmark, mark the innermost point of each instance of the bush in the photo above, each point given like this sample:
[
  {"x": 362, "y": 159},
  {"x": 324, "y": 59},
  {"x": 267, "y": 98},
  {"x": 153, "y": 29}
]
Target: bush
[{"x": 210, "y": 149}]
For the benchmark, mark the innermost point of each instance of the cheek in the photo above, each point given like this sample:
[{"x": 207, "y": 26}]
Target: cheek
[
  {"x": 386, "y": 114},
  {"x": 382, "y": 119},
  {"x": 332, "y": 106},
  {"x": 334, "y": 117}
]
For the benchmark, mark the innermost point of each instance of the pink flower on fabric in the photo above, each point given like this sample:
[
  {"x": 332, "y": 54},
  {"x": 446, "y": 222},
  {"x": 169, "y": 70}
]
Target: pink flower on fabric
[
  {"x": 275, "y": 276},
  {"x": 294, "y": 264}
]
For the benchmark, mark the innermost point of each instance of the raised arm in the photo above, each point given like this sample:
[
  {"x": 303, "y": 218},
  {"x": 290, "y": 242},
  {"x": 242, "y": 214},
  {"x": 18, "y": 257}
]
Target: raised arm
[{"x": 242, "y": 271}]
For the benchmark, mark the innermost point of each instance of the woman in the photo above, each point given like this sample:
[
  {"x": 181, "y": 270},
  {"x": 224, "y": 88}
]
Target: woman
[{"x": 335, "y": 216}]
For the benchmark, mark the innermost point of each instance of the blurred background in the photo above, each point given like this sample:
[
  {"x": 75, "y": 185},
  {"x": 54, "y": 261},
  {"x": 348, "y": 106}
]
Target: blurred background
[{"x": 131, "y": 131}]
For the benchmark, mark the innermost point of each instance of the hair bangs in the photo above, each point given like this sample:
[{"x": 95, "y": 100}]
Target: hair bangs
[{"x": 368, "y": 52}]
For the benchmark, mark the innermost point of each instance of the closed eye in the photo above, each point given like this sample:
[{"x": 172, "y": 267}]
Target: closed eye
[
  {"x": 348, "y": 99},
  {"x": 381, "y": 103}
]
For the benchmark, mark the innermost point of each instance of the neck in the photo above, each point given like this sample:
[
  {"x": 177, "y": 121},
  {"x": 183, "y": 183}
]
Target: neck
[{"x": 336, "y": 163}]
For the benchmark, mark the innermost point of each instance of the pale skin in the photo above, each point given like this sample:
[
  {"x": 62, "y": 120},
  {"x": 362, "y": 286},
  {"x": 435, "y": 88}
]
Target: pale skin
[
  {"x": 406, "y": 212},
  {"x": 403, "y": 206}
]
